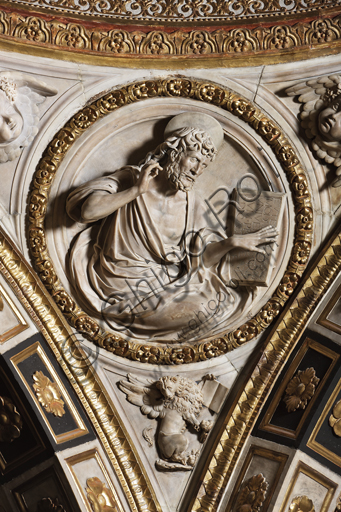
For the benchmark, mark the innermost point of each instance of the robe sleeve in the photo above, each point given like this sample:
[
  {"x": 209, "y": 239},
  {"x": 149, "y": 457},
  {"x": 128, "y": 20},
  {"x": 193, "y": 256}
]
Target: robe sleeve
[{"x": 116, "y": 182}]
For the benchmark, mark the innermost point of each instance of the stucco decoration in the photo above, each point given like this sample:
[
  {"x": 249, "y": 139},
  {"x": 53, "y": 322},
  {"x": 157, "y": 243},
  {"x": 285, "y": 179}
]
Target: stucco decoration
[
  {"x": 252, "y": 494},
  {"x": 20, "y": 96},
  {"x": 155, "y": 258},
  {"x": 98, "y": 135},
  {"x": 176, "y": 401},
  {"x": 321, "y": 117},
  {"x": 300, "y": 389}
]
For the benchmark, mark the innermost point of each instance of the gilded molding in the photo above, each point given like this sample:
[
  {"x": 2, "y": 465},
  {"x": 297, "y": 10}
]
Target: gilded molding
[
  {"x": 284, "y": 335},
  {"x": 207, "y": 92},
  {"x": 264, "y": 38},
  {"x": 92, "y": 394}
]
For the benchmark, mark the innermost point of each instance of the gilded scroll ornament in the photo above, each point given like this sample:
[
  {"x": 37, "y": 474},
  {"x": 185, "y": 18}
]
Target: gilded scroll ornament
[
  {"x": 48, "y": 394},
  {"x": 334, "y": 419},
  {"x": 10, "y": 421},
  {"x": 302, "y": 504},
  {"x": 252, "y": 494},
  {"x": 50, "y": 505},
  {"x": 172, "y": 87},
  {"x": 300, "y": 389},
  {"x": 100, "y": 497}
]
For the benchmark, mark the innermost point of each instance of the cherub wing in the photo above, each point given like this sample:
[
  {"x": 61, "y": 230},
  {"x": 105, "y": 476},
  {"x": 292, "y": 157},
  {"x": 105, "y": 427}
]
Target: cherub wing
[
  {"x": 144, "y": 394},
  {"x": 20, "y": 80},
  {"x": 312, "y": 94}
]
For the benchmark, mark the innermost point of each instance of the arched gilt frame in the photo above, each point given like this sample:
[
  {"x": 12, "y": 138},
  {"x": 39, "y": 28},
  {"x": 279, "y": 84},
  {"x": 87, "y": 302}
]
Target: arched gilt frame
[{"x": 207, "y": 92}]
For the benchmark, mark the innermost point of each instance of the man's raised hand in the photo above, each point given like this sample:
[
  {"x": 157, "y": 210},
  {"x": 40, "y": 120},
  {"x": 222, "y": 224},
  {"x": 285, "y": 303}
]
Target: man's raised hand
[{"x": 148, "y": 172}]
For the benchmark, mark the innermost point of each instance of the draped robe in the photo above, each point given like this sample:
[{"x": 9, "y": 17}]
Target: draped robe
[{"x": 124, "y": 273}]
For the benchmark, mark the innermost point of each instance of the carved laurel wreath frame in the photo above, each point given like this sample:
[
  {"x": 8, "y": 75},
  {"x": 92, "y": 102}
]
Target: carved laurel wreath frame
[{"x": 207, "y": 92}]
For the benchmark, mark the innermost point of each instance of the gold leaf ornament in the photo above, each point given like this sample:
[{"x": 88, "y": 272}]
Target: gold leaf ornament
[
  {"x": 300, "y": 389},
  {"x": 301, "y": 504},
  {"x": 252, "y": 494},
  {"x": 99, "y": 496},
  {"x": 48, "y": 394},
  {"x": 334, "y": 420}
]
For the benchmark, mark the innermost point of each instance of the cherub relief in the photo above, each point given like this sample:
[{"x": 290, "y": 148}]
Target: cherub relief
[
  {"x": 321, "y": 117},
  {"x": 177, "y": 401},
  {"x": 20, "y": 96}
]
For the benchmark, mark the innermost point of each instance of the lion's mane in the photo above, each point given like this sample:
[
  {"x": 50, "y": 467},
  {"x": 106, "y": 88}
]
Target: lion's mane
[{"x": 187, "y": 398}]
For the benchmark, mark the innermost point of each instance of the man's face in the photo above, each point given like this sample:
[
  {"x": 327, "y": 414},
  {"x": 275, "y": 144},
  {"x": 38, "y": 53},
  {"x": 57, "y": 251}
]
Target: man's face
[
  {"x": 185, "y": 167},
  {"x": 329, "y": 123}
]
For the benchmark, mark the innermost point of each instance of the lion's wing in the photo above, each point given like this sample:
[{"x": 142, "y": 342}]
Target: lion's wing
[{"x": 144, "y": 394}]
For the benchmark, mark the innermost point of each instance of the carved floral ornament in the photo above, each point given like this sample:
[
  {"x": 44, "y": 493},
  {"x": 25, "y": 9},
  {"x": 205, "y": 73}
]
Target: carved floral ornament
[
  {"x": 252, "y": 494},
  {"x": 100, "y": 497},
  {"x": 301, "y": 504},
  {"x": 212, "y": 94},
  {"x": 300, "y": 389},
  {"x": 10, "y": 421},
  {"x": 334, "y": 419},
  {"x": 48, "y": 394},
  {"x": 40, "y": 32}
]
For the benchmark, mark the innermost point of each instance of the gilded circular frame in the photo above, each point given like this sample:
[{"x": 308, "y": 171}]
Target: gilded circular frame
[{"x": 172, "y": 87}]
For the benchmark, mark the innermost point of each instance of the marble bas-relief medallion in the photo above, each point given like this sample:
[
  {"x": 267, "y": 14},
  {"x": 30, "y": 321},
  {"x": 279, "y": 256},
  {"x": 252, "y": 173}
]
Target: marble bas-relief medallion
[
  {"x": 177, "y": 402},
  {"x": 156, "y": 267},
  {"x": 321, "y": 117},
  {"x": 186, "y": 255},
  {"x": 20, "y": 96}
]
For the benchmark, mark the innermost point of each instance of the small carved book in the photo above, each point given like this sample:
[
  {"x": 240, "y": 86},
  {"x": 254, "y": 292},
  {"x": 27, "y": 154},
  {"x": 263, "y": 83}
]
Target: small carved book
[{"x": 250, "y": 212}]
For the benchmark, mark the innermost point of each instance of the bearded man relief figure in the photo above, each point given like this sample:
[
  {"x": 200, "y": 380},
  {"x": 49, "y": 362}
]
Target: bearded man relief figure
[{"x": 148, "y": 260}]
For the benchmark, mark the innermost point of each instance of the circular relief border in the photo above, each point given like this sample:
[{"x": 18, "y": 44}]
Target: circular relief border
[{"x": 207, "y": 92}]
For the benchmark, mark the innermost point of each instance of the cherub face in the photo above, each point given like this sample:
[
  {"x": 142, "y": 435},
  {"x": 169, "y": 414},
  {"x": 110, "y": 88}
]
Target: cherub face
[
  {"x": 11, "y": 122},
  {"x": 329, "y": 123}
]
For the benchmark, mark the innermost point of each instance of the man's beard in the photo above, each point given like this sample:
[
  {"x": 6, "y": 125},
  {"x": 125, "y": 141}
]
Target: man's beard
[{"x": 174, "y": 174}]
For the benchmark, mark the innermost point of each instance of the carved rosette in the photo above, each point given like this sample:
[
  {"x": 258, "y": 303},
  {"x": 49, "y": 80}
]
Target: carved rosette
[
  {"x": 252, "y": 494},
  {"x": 100, "y": 497},
  {"x": 48, "y": 394},
  {"x": 10, "y": 421},
  {"x": 207, "y": 92},
  {"x": 302, "y": 504},
  {"x": 300, "y": 389},
  {"x": 335, "y": 419}
]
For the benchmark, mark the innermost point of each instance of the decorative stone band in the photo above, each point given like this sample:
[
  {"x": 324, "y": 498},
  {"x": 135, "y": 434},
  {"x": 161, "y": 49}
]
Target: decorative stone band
[
  {"x": 185, "y": 11},
  {"x": 87, "y": 41},
  {"x": 202, "y": 91}
]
